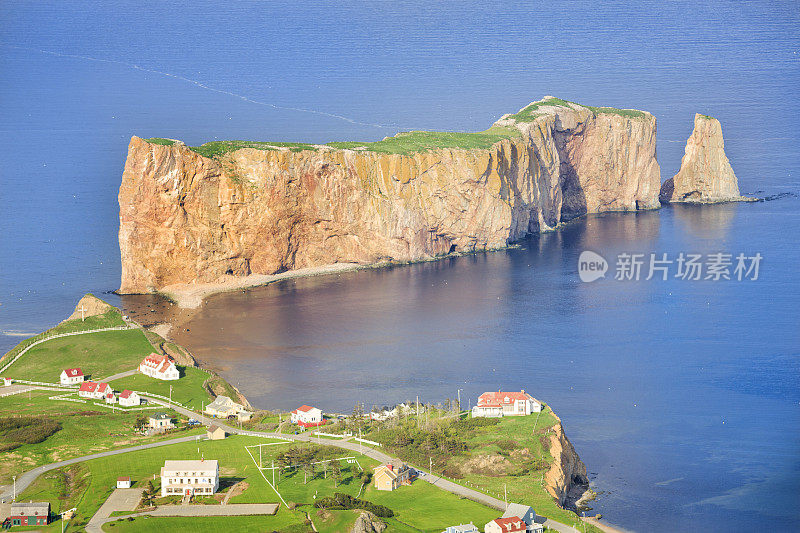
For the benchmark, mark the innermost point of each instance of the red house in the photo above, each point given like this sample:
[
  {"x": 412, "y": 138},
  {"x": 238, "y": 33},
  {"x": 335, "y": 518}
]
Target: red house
[{"x": 29, "y": 514}]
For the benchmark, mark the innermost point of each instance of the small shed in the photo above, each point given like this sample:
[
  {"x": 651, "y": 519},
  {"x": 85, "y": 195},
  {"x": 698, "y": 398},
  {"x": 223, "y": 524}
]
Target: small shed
[
  {"x": 215, "y": 433},
  {"x": 30, "y": 514},
  {"x": 124, "y": 482}
]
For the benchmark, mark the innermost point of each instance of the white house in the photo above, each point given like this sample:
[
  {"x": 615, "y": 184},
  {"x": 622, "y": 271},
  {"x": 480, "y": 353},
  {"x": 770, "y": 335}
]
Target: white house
[
  {"x": 124, "y": 482},
  {"x": 492, "y": 404},
  {"x": 160, "y": 422},
  {"x": 71, "y": 376},
  {"x": 160, "y": 367},
  {"x": 305, "y": 415},
  {"x": 527, "y": 514},
  {"x": 110, "y": 397},
  {"x": 189, "y": 477},
  {"x": 512, "y": 524},
  {"x": 94, "y": 391},
  {"x": 223, "y": 407},
  {"x": 462, "y": 528},
  {"x": 6, "y": 382},
  {"x": 128, "y": 398}
]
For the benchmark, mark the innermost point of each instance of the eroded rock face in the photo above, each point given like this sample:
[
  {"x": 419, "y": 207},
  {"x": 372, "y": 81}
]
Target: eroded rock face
[
  {"x": 368, "y": 523},
  {"x": 91, "y": 306},
  {"x": 567, "y": 471},
  {"x": 187, "y": 219},
  {"x": 706, "y": 175}
]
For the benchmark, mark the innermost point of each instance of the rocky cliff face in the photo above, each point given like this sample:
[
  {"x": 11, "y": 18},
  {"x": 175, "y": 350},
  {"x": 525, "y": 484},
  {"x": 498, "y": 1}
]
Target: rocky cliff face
[
  {"x": 188, "y": 219},
  {"x": 566, "y": 479},
  {"x": 706, "y": 175}
]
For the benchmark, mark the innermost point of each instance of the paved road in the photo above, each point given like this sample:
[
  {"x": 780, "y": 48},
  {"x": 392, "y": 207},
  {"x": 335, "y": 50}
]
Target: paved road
[
  {"x": 120, "y": 375},
  {"x": 24, "y": 480},
  {"x": 14, "y": 389}
]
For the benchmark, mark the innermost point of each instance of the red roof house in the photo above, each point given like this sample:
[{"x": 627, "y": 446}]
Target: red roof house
[
  {"x": 512, "y": 524},
  {"x": 506, "y": 404},
  {"x": 71, "y": 376},
  {"x": 307, "y": 416},
  {"x": 90, "y": 389},
  {"x": 159, "y": 366}
]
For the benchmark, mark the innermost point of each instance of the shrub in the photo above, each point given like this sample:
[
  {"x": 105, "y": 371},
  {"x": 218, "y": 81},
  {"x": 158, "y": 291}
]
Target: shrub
[
  {"x": 27, "y": 429},
  {"x": 341, "y": 501}
]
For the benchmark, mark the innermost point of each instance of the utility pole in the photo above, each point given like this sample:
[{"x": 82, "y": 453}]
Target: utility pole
[
  {"x": 459, "y": 400},
  {"x": 273, "y": 474},
  {"x": 417, "y": 405},
  {"x": 260, "y": 463},
  {"x": 15, "y": 488},
  {"x": 505, "y": 495},
  {"x": 170, "y": 396}
]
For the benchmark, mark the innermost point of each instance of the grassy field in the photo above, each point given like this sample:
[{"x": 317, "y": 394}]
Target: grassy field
[
  {"x": 188, "y": 390},
  {"x": 85, "y": 429},
  {"x": 531, "y": 112},
  {"x": 97, "y": 354},
  {"x": 419, "y": 507},
  {"x": 283, "y": 521}
]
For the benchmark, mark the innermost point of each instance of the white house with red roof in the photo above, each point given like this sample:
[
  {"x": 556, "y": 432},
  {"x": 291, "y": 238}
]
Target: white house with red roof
[
  {"x": 513, "y": 524},
  {"x": 128, "y": 398},
  {"x": 94, "y": 391},
  {"x": 306, "y": 416},
  {"x": 71, "y": 376},
  {"x": 493, "y": 404},
  {"x": 160, "y": 367}
]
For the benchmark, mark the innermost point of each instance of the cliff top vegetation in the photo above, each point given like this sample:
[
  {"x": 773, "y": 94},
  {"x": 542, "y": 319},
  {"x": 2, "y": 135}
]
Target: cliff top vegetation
[{"x": 531, "y": 112}]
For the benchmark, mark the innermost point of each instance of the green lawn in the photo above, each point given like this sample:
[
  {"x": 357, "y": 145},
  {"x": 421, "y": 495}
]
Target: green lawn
[
  {"x": 531, "y": 112},
  {"x": 283, "y": 521},
  {"x": 423, "y": 141},
  {"x": 85, "y": 429},
  {"x": 97, "y": 354},
  {"x": 188, "y": 390}
]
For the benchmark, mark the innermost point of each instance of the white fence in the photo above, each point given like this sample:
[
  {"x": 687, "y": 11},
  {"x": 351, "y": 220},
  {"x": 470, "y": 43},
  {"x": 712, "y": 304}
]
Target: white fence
[
  {"x": 340, "y": 436},
  {"x": 365, "y": 441}
]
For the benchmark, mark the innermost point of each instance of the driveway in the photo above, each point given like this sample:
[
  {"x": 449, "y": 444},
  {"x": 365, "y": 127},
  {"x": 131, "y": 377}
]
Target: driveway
[{"x": 120, "y": 500}]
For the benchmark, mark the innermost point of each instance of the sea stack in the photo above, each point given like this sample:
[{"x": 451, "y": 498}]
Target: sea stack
[{"x": 706, "y": 176}]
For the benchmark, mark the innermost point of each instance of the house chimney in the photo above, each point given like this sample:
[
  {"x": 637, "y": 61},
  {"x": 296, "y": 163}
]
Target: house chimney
[{"x": 523, "y": 391}]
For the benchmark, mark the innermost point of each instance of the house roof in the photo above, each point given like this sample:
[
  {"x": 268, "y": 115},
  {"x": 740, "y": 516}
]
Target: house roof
[
  {"x": 190, "y": 465},
  {"x": 499, "y": 398},
  {"x": 124, "y": 478},
  {"x": 222, "y": 402},
  {"x": 160, "y": 416},
  {"x": 126, "y": 394},
  {"x": 511, "y": 524},
  {"x": 91, "y": 386},
  {"x": 160, "y": 363},
  {"x": 304, "y": 409},
  {"x": 73, "y": 372},
  {"x": 517, "y": 510},
  {"x": 30, "y": 508},
  {"x": 212, "y": 429}
]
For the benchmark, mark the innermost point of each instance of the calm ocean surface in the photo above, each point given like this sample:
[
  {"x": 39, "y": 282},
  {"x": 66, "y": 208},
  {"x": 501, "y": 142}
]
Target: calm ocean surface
[{"x": 681, "y": 397}]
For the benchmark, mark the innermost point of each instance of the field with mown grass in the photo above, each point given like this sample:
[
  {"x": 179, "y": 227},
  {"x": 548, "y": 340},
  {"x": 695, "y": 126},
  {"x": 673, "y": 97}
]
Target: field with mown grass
[
  {"x": 85, "y": 429},
  {"x": 419, "y": 507},
  {"x": 99, "y": 355}
]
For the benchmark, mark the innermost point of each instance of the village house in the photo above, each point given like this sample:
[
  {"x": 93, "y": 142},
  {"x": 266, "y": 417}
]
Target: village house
[
  {"x": 189, "y": 478},
  {"x": 29, "y": 514},
  {"x": 128, "y": 398},
  {"x": 124, "y": 482},
  {"x": 160, "y": 422},
  {"x": 526, "y": 514},
  {"x": 224, "y": 407},
  {"x": 307, "y": 416},
  {"x": 71, "y": 376},
  {"x": 391, "y": 475},
  {"x": 463, "y": 528},
  {"x": 7, "y": 382},
  {"x": 495, "y": 404},
  {"x": 111, "y": 397},
  {"x": 160, "y": 367},
  {"x": 94, "y": 391},
  {"x": 215, "y": 433},
  {"x": 512, "y": 524}
]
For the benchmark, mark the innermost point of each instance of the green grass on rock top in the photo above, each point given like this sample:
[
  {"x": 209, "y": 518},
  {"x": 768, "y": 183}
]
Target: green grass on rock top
[{"x": 531, "y": 112}]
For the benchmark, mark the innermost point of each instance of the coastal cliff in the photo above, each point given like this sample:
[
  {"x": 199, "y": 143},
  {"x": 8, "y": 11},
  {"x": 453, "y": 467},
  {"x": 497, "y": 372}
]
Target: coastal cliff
[
  {"x": 255, "y": 209},
  {"x": 566, "y": 479},
  {"x": 706, "y": 175}
]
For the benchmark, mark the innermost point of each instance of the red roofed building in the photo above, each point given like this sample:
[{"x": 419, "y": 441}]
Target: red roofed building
[
  {"x": 71, "y": 376},
  {"x": 97, "y": 391},
  {"x": 492, "y": 404},
  {"x": 160, "y": 367},
  {"x": 128, "y": 398},
  {"x": 513, "y": 524},
  {"x": 307, "y": 416}
]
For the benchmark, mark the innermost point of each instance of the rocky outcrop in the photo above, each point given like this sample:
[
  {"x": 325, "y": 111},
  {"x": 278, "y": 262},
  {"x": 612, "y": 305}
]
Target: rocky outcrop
[
  {"x": 188, "y": 219},
  {"x": 566, "y": 479},
  {"x": 90, "y": 305},
  {"x": 706, "y": 175},
  {"x": 368, "y": 523}
]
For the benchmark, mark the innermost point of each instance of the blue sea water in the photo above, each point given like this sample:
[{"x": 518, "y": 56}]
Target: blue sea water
[{"x": 681, "y": 397}]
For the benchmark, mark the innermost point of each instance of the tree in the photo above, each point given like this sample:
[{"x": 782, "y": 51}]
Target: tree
[
  {"x": 357, "y": 420},
  {"x": 308, "y": 467},
  {"x": 141, "y": 421},
  {"x": 336, "y": 472}
]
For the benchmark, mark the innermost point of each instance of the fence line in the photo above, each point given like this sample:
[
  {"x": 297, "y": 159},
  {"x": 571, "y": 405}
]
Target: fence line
[{"x": 365, "y": 441}]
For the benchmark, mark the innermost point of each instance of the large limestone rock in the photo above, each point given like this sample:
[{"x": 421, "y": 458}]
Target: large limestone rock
[
  {"x": 706, "y": 175},
  {"x": 91, "y": 305},
  {"x": 567, "y": 471},
  {"x": 186, "y": 219},
  {"x": 368, "y": 523}
]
